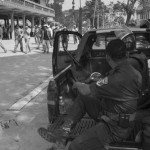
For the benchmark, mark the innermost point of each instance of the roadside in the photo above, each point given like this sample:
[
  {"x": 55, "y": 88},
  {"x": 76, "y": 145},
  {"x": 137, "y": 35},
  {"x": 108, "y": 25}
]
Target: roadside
[
  {"x": 21, "y": 74},
  {"x": 29, "y": 119},
  {"x": 9, "y": 45}
]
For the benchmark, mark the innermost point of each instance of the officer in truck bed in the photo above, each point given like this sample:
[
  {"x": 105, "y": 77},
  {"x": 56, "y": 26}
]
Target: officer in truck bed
[{"x": 114, "y": 96}]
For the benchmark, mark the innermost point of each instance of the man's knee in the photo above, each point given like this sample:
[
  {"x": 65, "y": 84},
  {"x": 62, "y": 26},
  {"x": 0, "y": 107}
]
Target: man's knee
[{"x": 76, "y": 145}]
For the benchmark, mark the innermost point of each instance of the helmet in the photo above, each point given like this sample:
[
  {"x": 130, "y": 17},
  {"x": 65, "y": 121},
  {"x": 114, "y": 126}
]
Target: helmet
[
  {"x": 130, "y": 42},
  {"x": 128, "y": 37}
]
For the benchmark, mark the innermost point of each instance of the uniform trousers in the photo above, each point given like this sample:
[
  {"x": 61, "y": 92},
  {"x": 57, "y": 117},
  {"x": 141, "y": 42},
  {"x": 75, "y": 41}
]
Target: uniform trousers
[
  {"x": 27, "y": 41},
  {"x": 17, "y": 42},
  {"x": 100, "y": 135},
  {"x": 46, "y": 45},
  {"x": 1, "y": 45}
]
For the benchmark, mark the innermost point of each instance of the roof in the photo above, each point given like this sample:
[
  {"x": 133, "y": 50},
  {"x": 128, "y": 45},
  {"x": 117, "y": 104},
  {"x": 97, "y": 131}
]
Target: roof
[{"x": 107, "y": 30}]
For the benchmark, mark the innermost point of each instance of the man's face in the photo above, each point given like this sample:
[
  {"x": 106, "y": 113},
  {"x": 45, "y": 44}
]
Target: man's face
[{"x": 129, "y": 41}]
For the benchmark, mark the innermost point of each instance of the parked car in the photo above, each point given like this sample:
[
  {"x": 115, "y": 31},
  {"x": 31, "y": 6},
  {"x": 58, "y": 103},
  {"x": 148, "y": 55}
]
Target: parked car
[{"x": 77, "y": 62}]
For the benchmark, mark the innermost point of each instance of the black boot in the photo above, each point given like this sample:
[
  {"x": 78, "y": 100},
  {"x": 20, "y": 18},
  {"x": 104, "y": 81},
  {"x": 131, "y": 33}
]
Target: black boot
[{"x": 60, "y": 134}]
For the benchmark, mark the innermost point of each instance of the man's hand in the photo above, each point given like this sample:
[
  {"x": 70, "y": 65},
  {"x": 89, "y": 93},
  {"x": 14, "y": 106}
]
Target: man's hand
[{"x": 83, "y": 88}]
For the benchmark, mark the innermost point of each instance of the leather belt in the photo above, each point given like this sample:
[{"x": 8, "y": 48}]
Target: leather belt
[{"x": 115, "y": 116}]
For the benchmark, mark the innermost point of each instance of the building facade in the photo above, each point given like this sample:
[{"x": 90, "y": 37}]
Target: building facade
[
  {"x": 143, "y": 11},
  {"x": 35, "y": 11}
]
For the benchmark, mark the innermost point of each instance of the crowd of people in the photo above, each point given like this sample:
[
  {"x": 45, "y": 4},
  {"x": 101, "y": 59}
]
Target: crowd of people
[{"x": 43, "y": 35}]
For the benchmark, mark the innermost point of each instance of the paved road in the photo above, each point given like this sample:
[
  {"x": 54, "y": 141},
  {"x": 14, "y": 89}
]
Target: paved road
[
  {"x": 20, "y": 73},
  {"x": 24, "y": 136}
]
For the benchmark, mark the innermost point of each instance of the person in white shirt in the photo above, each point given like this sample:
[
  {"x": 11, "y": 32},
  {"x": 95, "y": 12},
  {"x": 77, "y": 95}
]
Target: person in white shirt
[
  {"x": 18, "y": 38},
  {"x": 75, "y": 29},
  {"x": 51, "y": 35},
  {"x": 1, "y": 37},
  {"x": 27, "y": 39}
]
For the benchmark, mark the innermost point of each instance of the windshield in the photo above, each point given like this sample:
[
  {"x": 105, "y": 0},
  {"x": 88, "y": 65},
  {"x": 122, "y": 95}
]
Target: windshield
[{"x": 134, "y": 40}]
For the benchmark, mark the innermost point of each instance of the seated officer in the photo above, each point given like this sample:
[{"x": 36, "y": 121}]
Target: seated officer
[{"x": 114, "y": 96}]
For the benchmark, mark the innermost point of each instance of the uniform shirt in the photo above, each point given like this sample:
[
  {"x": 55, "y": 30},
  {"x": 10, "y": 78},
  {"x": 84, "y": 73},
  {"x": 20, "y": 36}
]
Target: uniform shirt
[
  {"x": 27, "y": 33},
  {"x": 46, "y": 35},
  {"x": 51, "y": 32},
  {"x": 38, "y": 32},
  {"x": 120, "y": 90},
  {"x": 139, "y": 62},
  {"x": 18, "y": 33}
]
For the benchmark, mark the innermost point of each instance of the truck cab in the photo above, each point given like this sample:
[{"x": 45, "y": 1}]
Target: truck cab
[{"x": 75, "y": 58}]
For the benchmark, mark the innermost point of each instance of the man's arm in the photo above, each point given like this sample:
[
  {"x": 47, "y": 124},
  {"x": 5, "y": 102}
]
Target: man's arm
[{"x": 83, "y": 88}]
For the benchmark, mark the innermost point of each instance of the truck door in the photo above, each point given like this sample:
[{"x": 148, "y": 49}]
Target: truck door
[{"x": 65, "y": 46}]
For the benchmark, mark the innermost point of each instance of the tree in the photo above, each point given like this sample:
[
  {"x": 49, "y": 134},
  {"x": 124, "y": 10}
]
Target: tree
[
  {"x": 92, "y": 9},
  {"x": 57, "y": 6},
  {"x": 127, "y": 8},
  {"x": 119, "y": 19},
  {"x": 68, "y": 19}
]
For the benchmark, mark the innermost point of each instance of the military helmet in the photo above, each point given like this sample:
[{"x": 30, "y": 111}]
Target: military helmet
[{"x": 128, "y": 37}]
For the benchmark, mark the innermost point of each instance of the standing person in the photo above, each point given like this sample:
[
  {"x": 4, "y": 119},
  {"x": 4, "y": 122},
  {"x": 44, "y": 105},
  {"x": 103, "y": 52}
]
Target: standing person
[
  {"x": 35, "y": 31},
  {"x": 55, "y": 30},
  {"x": 138, "y": 60},
  {"x": 8, "y": 32},
  {"x": 65, "y": 39},
  {"x": 18, "y": 38},
  {"x": 51, "y": 35},
  {"x": 1, "y": 38},
  {"x": 38, "y": 35},
  {"x": 74, "y": 36},
  {"x": 114, "y": 96},
  {"x": 46, "y": 36},
  {"x": 27, "y": 38}
]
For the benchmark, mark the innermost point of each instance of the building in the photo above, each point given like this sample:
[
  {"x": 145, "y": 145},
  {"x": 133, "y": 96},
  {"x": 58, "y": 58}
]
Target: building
[
  {"x": 143, "y": 11},
  {"x": 34, "y": 11}
]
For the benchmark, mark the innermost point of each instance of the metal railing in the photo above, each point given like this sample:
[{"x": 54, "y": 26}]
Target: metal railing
[{"x": 31, "y": 5}]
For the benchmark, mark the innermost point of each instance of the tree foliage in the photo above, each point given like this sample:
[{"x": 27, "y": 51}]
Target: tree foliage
[
  {"x": 91, "y": 10},
  {"x": 127, "y": 8},
  {"x": 57, "y": 6},
  {"x": 71, "y": 19}
]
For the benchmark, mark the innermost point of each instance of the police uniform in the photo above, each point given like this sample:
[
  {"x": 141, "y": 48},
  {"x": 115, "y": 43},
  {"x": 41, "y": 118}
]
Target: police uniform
[
  {"x": 139, "y": 61},
  {"x": 18, "y": 39},
  {"x": 113, "y": 95}
]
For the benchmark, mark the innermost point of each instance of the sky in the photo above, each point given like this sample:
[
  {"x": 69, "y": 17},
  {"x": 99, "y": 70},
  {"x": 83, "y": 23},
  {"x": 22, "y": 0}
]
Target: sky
[{"x": 68, "y": 3}]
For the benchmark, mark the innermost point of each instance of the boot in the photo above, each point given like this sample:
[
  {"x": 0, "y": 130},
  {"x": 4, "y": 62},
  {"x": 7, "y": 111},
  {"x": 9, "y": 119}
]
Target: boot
[{"x": 60, "y": 134}]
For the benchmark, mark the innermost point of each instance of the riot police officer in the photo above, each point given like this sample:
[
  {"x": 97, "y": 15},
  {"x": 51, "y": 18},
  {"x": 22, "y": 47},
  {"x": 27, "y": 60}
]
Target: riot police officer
[
  {"x": 139, "y": 61},
  {"x": 114, "y": 96}
]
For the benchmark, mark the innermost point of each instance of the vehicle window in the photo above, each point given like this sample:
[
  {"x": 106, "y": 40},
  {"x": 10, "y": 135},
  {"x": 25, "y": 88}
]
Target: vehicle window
[
  {"x": 102, "y": 40},
  {"x": 68, "y": 42},
  {"x": 142, "y": 41}
]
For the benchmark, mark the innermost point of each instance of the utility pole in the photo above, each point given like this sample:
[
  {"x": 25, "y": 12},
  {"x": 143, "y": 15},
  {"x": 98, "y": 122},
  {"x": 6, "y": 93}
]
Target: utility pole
[
  {"x": 73, "y": 3},
  {"x": 80, "y": 18},
  {"x": 98, "y": 13},
  {"x": 103, "y": 15},
  {"x": 94, "y": 13}
]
